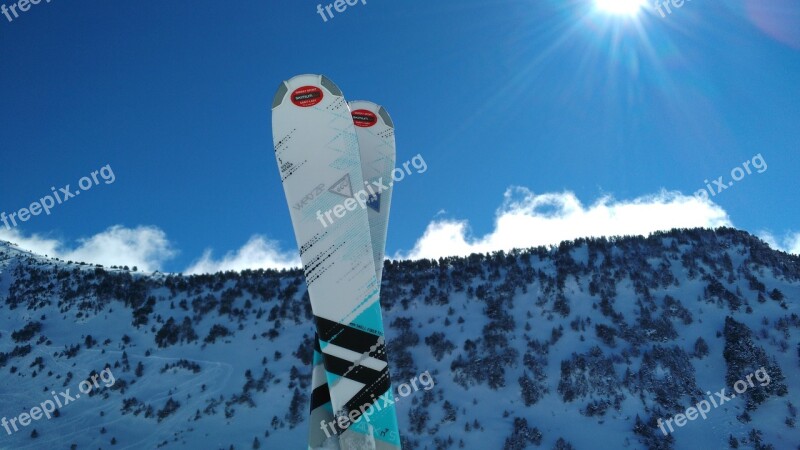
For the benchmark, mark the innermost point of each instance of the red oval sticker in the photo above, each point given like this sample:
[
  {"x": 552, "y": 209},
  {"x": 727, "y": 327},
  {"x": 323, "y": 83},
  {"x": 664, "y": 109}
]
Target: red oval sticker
[
  {"x": 364, "y": 118},
  {"x": 307, "y": 96}
]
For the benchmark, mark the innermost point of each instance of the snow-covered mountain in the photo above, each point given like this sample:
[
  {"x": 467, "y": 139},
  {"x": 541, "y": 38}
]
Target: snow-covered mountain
[{"x": 581, "y": 346}]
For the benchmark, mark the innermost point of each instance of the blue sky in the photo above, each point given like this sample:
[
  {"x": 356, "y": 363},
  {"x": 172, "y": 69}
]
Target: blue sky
[{"x": 538, "y": 120}]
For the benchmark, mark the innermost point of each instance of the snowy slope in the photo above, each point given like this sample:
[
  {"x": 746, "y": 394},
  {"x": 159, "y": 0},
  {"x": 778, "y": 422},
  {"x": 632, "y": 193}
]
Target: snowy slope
[{"x": 581, "y": 346}]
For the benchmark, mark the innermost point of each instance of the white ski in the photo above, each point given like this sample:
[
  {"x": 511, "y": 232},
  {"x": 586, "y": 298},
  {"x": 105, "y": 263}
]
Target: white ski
[{"x": 318, "y": 155}]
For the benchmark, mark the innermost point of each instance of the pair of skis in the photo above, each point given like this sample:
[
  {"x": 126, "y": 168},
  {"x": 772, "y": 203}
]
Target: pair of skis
[{"x": 335, "y": 161}]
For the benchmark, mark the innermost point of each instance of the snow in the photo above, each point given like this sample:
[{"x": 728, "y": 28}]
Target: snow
[{"x": 267, "y": 315}]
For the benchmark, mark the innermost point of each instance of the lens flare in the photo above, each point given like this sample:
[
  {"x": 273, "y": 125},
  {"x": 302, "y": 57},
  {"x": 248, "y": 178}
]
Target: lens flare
[{"x": 620, "y": 7}]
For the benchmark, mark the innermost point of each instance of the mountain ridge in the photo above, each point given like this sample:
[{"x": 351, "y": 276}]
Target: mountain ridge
[{"x": 609, "y": 334}]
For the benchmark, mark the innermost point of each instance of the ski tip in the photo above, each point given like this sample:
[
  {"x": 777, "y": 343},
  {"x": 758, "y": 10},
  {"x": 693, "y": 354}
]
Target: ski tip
[
  {"x": 386, "y": 118},
  {"x": 308, "y": 82},
  {"x": 330, "y": 86},
  {"x": 378, "y": 110},
  {"x": 280, "y": 94}
]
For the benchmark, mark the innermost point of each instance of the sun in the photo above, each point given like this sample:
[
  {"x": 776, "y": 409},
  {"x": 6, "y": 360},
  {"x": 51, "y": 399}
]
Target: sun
[{"x": 620, "y": 7}]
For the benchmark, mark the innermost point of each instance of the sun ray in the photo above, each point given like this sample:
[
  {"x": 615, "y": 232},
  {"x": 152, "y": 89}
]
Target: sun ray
[{"x": 629, "y": 8}]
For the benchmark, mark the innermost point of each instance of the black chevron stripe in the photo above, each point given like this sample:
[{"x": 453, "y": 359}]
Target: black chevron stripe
[
  {"x": 379, "y": 353},
  {"x": 342, "y": 367},
  {"x": 316, "y": 343},
  {"x": 320, "y": 396},
  {"x": 366, "y": 395},
  {"x": 345, "y": 336}
]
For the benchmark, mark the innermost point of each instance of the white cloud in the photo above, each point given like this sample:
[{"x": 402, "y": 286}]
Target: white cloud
[
  {"x": 528, "y": 220},
  {"x": 148, "y": 249},
  {"x": 523, "y": 220},
  {"x": 144, "y": 247},
  {"x": 257, "y": 253},
  {"x": 789, "y": 243}
]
